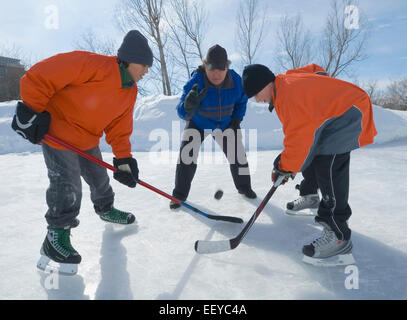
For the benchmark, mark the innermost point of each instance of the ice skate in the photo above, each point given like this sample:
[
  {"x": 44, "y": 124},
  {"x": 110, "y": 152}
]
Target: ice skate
[
  {"x": 174, "y": 205},
  {"x": 57, "y": 253},
  {"x": 304, "y": 206},
  {"x": 338, "y": 260},
  {"x": 328, "y": 250},
  {"x": 119, "y": 217}
]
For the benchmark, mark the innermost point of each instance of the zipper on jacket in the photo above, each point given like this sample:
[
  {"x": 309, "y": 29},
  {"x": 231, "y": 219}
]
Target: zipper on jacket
[{"x": 220, "y": 107}]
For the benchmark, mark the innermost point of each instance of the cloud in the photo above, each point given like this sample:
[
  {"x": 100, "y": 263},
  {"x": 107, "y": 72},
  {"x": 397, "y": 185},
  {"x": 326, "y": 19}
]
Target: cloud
[
  {"x": 385, "y": 49},
  {"x": 235, "y": 57},
  {"x": 384, "y": 25}
]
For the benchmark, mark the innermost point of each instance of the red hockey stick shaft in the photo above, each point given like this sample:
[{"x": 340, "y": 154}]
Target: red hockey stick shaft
[
  {"x": 144, "y": 184},
  {"x": 106, "y": 165}
]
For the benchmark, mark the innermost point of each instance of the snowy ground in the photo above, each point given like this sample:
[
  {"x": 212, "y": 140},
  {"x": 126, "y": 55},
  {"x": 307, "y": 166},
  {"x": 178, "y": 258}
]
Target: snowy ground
[{"x": 156, "y": 258}]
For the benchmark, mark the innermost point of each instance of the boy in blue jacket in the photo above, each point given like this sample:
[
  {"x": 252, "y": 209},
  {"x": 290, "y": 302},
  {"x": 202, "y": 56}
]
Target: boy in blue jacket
[{"x": 212, "y": 99}]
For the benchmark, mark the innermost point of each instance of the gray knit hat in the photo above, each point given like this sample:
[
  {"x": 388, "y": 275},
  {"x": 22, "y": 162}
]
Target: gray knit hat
[{"x": 135, "y": 49}]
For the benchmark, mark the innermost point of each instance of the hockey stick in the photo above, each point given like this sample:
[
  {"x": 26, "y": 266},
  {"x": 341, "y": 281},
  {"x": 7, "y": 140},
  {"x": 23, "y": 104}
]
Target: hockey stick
[
  {"x": 207, "y": 246},
  {"x": 144, "y": 184}
]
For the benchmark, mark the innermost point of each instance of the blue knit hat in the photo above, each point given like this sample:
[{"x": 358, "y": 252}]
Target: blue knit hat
[{"x": 135, "y": 49}]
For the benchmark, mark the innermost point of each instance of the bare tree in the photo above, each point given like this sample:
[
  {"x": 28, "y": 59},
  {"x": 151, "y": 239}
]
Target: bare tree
[
  {"x": 89, "y": 41},
  {"x": 12, "y": 50},
  {"x": 372, "y": 89},
  {"x": 193, "y": 21},
  {"x": 146, "y": 15},
  {"x": 13, "y": 63},
  {"x": 188, "y": 24},
  {"x": 341, "y": 44},
  {"x": 396, "y": 95},
  {"x": 251, "y": 19},
  {"x": 294, "y": 43},
  {"x": 181, "y": 42}
]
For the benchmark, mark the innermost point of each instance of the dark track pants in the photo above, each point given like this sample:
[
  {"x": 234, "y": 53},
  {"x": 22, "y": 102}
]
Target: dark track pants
[
  {"x": 330, "y": 174},
  {"x": 189, "y": 151}
]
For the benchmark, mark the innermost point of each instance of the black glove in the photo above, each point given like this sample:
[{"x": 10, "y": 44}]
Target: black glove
[
  {"x": 127, "y": 171},
  {"x": 31, "y": 125},
  {"x": 193, "y": 98},
  {"x": 277, "y": 173},
  {"x": 271, "y": 105},
  {"x": 234, "y": 124}
]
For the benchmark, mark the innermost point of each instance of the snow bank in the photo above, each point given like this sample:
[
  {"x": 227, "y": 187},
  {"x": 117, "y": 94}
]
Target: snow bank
[{"x": 156, "y": 125}]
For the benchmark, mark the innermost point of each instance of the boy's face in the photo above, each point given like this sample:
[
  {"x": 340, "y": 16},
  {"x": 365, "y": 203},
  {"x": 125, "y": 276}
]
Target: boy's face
[
  {"x": 216, "y": 76},
  {"x": 265, "y": 94},
  {"x": 137, "y": 71}
]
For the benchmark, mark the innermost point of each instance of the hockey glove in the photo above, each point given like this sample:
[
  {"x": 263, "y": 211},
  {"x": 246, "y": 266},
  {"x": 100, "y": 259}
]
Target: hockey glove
[
  {"x": 277, "y": 172},
  {"x": 234, "y": 124},
  {"x": 193, "y": 98},
  {"x": 127, "y": 171},
  {"x": 31, "y": 125}
]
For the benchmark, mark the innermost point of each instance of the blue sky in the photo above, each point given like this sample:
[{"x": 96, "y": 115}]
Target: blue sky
[{"x": 22, "y": 23}]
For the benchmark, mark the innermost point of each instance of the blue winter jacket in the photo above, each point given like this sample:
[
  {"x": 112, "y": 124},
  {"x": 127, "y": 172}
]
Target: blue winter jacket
[{"x": 219, "y": 105}]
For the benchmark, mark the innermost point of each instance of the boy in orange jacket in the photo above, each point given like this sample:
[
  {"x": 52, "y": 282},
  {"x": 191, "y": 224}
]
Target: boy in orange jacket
[
  {"x": 308, "y": 202},
  {"x": 78, "y": 97},
  {"x": 323, "y": 120}
]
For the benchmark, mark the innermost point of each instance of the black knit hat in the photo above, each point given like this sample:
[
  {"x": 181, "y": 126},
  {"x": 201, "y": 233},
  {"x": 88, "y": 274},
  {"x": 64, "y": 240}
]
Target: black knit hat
[
  {"x": 217, "y": 58},
  {"x": 255, "y": 78},
  {"x": 135, "y": 49}
]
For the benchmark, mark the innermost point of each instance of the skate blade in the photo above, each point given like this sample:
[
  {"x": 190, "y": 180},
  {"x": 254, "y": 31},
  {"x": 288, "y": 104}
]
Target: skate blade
[
  {"x": 302, "y": 213},
  {"x": 338, "y": 260},
  {"x": 46, "y": 265}
]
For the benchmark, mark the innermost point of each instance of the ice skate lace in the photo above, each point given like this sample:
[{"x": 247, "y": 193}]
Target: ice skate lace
[
  {"x": 63, "y": 245},
  {"x": 326, "y": 238},
  {"x": 299, "y": 202},
  {"x": 116, "y": 216}
]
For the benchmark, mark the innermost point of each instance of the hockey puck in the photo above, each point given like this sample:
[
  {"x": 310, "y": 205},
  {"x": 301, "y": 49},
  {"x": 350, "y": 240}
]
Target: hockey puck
[{"x": 218, "y": 194}]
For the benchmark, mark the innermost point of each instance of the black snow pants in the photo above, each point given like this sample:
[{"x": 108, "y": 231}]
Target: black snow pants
[
  {"x": 189, "y": 151},
  {"x": 330, "y": 174}
]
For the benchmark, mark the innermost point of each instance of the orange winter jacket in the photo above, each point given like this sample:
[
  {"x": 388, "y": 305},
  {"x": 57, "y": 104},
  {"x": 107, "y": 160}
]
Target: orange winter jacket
[
  {"x": 320, "y": 115},
  {"x": 309, "y": 68},
  {"x": 87, "y": 94}
]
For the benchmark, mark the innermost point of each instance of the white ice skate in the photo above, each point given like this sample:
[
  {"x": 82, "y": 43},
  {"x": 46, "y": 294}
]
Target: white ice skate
[
  {"x": 328, "y": 251},
  {"x": 304, "y": 206},
  {"x": 335, "y": 261}
]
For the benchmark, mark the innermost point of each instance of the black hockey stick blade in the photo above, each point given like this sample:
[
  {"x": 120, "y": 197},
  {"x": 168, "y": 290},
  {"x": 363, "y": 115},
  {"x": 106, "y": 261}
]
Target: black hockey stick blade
[
  {"x": 212, "y": 216},
  {"x": 207, "y": 246},
  {"x": 225, "y": 218}
]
